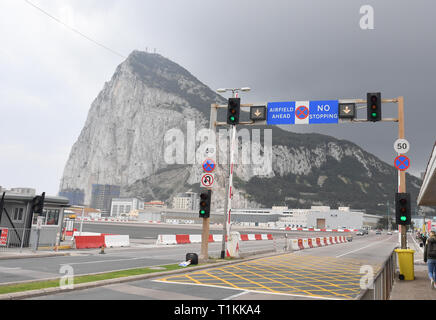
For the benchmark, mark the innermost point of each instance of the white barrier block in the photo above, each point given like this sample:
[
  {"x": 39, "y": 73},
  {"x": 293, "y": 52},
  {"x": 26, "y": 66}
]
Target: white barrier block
[
  {"x": 117, "y": 241},
  {"x": 195, "y": 238},
  {"x": 294, "y": 244},
  {"x": 251, "y": 237},
  {"x": 217, "y": 237},
  {"x": 306, "y": 244},
  {"x": 166, "y": 239},
  {"x": 314, "y": 243}
]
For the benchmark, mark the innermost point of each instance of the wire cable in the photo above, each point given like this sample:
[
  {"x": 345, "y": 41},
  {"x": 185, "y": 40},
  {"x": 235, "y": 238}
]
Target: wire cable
[{"x": 75, "y": 30}]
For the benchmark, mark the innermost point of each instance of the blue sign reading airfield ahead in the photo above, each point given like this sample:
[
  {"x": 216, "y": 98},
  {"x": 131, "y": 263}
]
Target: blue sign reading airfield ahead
[{"x": 280, "y": 113}]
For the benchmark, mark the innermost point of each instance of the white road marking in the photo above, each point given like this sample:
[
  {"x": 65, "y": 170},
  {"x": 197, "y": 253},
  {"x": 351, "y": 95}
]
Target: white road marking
[
  {"x": 126, "y": 259},
  {"x": 377, "y": 242},
  {"x": 236, "y": 295}
]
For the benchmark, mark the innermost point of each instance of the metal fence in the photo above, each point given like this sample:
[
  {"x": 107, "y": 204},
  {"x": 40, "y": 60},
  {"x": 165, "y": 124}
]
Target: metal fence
[
  {"x": 25, "y": 238},
  {"x": 383, "y": 281}
]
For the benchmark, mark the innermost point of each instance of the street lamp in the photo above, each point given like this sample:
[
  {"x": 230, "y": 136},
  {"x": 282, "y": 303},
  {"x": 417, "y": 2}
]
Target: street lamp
[{"x": 234, "y": 90}]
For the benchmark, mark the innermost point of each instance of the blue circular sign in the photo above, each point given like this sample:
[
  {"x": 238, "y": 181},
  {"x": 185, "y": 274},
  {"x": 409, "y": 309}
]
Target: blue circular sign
[
  {"x": 208, "y": 165},
  {"x": 402, "y": 163}
]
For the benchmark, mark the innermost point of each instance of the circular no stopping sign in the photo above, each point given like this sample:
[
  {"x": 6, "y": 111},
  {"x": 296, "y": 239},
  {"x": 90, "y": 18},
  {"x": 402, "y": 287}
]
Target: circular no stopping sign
[
  {"x": 302, "y": 112},
  {"x": 209, "y": 165},
  {"x": 402, "y": 163}
]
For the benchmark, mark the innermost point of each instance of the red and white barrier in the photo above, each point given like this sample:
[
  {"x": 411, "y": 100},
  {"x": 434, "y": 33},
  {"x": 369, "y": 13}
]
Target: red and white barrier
[
  {"x": 196, "y": 238},
  {"x": 92, "y": 240},
  {"x": 320, "y": 230},
  {"x": 302, "y": 244}
]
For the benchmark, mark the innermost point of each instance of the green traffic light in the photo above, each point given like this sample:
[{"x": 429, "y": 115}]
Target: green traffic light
[
  {"x": 202, "y": 212},
  {"x": 232, "y": 118},
  {"x": 374, "y": 114},
  {"x": 403, "y": 218}
]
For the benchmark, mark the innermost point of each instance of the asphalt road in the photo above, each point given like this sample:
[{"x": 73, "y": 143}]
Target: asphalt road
[
  {"x": 143, "y": 251},
  {"x": 91, "y": 261},
  {"x": 331, "y": 272}
]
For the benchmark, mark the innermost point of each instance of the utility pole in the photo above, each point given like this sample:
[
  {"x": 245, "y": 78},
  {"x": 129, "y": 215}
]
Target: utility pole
[{"x": 402, "y": 174}]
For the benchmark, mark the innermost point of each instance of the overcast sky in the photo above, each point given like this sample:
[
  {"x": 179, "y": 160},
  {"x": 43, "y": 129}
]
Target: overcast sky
[{"x": 284, "y": 50}]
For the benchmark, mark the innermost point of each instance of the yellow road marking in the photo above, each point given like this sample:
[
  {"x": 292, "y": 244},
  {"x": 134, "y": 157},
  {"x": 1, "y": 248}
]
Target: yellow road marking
[{"x": 306, "y": 271}]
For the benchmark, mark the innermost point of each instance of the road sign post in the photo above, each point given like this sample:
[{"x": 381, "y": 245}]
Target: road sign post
[{"x": 402, "y": 174}]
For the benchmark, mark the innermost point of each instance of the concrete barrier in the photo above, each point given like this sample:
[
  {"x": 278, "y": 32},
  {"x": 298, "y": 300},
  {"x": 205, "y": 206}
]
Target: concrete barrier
[
  {"x": 310, "y": 243},
  {"x": 294, "y": 244},
  {"x": 196, "y": 238},
  {"x": 114, "y": 241},
  {"x": 89, "y": 242},
  {"x": 319, "y": 230}
]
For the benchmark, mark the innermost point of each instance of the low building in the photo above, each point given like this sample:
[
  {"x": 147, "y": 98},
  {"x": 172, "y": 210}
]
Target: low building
[
  {"x": 186, "y": 201},
  {"x": 123, "y": 206},
  {"x": 24, "y": 191},
  {"x": 19, "y": 223},
  {"x": 320, "y": 217},
  {"x": 87, "y": 212}
]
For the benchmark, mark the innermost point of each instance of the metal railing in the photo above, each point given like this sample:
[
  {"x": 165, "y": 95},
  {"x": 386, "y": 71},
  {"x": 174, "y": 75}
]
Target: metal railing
[
  {"x": 26, "y": 238},
  {"x": 383, "y": 281}
]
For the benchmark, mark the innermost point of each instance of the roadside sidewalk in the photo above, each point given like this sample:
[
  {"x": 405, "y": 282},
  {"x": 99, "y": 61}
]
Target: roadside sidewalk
[
  {"x": 29, "y": 253},
  {"x": 418, "y": 289}
]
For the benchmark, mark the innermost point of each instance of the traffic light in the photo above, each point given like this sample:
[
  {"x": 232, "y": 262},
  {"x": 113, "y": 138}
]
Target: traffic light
[
  {"x": 374, "y": 107},
  {"x": 402, "y": 208},
  {"x": 38, "y": 203},
  {"x": 233, "y": 111},
  {"x": 205, "y": 200}
]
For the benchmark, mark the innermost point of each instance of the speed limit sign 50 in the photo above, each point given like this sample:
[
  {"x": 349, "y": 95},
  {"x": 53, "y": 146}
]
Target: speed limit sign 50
[{"x": 401, "y": 146}]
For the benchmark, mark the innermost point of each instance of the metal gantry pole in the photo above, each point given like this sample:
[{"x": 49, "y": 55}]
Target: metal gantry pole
[{"x": 228, "y": 200}]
